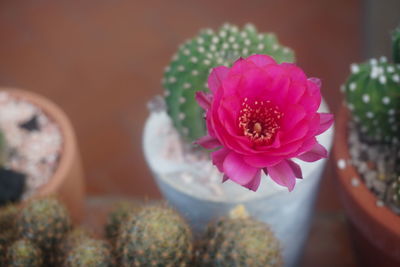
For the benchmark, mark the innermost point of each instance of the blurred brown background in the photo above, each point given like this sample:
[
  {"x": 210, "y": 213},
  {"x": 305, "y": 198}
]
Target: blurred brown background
[{"x": 102, "y": 60}]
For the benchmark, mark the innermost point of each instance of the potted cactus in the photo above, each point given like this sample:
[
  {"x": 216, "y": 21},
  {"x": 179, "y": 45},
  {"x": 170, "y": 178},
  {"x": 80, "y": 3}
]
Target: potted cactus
[
  {"x": 182, "y": 132},
  {"x": 367, "y": 155},
  {"x": 38, "y": 151}
]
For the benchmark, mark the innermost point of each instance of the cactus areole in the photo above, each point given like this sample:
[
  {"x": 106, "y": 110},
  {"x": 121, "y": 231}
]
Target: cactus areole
[{"x": 191, "y": 65}]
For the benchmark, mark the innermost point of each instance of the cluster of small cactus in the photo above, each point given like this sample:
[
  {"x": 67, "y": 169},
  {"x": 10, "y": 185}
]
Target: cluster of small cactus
[
  {"x": 373, "y": 97},
  {"x": 155, "y": 236},
  {"x": 191, "y": 65},
  {"x": 238, "y": 240}
]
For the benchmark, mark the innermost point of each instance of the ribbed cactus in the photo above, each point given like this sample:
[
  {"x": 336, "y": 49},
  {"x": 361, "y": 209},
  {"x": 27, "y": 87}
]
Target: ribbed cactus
[
  {"x": 90, "y": 253},
  {"x": 238, "y": 240},
  {"x": 191, "y": 65},
  {"x": 373, "y": 97},
  {"x": 24, "y": 253},
  {"x": 45, "y": 222},
  {"x": 396, "y": 45},
  {"x": 8, "y": 230},
  {"x": 156, "y": 236}
]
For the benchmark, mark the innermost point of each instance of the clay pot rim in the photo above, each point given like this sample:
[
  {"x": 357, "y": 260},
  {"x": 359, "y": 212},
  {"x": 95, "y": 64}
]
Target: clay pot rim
[
  {"x": 68, "y": 145},
  {"x": 360, "y": 194}
]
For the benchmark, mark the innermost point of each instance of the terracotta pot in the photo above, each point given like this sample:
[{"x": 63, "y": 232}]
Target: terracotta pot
[
  {"x": 375, "y": 228},
  {"x": 67, "y": 182}
]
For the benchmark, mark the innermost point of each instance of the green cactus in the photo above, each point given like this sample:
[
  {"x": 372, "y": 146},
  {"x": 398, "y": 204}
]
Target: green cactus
[
  {"x": 156, "y": 236},
  {"x": 71, "y": 240},
  {"x": 190, "y": 67},
  {"x": 90, "y": 253},
  {"x": 396, "y": 45},
  {"x": 373, "y": 97},
  {"x": 238, "y": 240},
  {"x": 24, "y": 253},
  {"x": 120, "y": 213},
  {"x": 45, "y": 222}
]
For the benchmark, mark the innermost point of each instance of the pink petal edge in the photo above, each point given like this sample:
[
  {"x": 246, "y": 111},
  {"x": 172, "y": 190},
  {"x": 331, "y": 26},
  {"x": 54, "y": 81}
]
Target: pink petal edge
[
  {"x": 216, "y": 76},
  {"x": 208, "y": 142},
  {"x": 203, "y": 99},
  {"x": 237, "y": 170},
  {"x": 317, "y": 152},
  {"x": 283, "y": 174},
  {"x": 326, "y": 120}
]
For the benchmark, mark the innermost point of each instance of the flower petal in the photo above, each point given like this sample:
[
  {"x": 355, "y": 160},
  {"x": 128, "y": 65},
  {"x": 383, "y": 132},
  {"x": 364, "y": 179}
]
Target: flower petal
[
  {"x": 282, "y": 174},
  {"x": 316, "y": 153},
  {"x": 203, "y": 99},
  {"x": 216, "y": 77},
  {"x": 237, "y": 170},
  {"x": 218, "y": 158},
  {"x": 255, "y": 182},
  {"x": 326, "y": 121},
  {"x": 295, "y": 168},
  {"x": 208, "y": 142},
  {"x": 261, "y": 60}
]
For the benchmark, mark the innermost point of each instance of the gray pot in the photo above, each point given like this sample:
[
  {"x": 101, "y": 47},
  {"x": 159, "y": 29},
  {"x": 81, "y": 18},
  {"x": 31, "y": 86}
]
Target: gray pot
[{"x": 288, "y": 214}]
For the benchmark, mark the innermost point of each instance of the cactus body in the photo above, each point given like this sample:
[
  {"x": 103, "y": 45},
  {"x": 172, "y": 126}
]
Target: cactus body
[
  {"x": 24, "y": 253},
  {"x": 45, "y": 222},
  {"x": 238, "y": 241},
  {"x": 373, "y": 97},
  {"x": 90, "y": 253},
  {"x": 190, "y": 67},
  {"x": 118, "y": 215},
  {"x": 156, "y": 236},
  {"x": 69, "y": 242}
]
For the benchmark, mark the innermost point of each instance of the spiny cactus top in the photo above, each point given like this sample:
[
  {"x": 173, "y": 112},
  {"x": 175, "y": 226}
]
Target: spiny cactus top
[
  {"x": 373, "y": 97},
  {"x": 45, "y": 222},
  {"x": 189, "y": 69},
  {"x": 156, "y": 236},
  {"x": 90, "y": 253},
  {"x": 396, "y": 45},
  {"x": 238, "y": 241},
  {"x": 24, "y": 253}
]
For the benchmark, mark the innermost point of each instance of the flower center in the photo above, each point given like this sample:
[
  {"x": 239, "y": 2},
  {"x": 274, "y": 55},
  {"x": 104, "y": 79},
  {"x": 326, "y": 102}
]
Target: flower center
[{"x": 259, "y": 121}]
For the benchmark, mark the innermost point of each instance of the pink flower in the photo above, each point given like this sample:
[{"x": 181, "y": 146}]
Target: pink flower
[{"x": 259, "y": 116}]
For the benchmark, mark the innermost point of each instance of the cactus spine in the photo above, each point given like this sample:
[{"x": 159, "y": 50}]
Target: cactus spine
[
  {"x": 189, "y": 69},
  {"x": 156, "y": 236},
  {"x": 238, "y": 240}
]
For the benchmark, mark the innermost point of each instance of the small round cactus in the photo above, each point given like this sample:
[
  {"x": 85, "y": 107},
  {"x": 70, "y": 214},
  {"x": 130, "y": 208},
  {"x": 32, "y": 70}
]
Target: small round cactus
[
  {"x": 70, "y": 241},
  {"x": 90, "y": 253},
  {"x": 191, "y": 65},
  {"x": 238, "y": 240},
  {"x": 117, "y": 216},
  {"x": 156, "y": 236},
  {"x": 373, "y": 97},
  {"x": 24, "y": 253},
  {"x": 396, "y": 45},
  {"x": 45, "y": 222}
]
